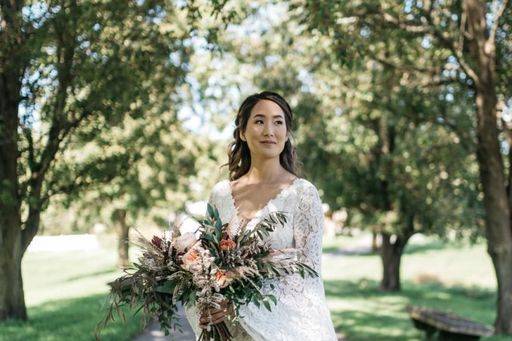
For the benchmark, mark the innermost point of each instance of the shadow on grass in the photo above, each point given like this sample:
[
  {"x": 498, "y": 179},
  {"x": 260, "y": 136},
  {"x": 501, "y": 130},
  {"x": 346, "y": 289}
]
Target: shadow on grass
[
  {"x": 409, "y": 249},
  {"x": 367, "y": 313},
  {"x": 70, "y": 319},
  {"x": 354, "y": 251},
  {"x": 93, "y": 274}
]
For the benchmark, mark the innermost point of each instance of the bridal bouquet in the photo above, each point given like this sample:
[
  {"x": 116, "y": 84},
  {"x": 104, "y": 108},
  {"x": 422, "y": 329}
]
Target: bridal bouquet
[{"x": 204, "y": 268}]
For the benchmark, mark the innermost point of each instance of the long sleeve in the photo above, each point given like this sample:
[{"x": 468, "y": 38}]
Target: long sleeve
[
  {"x": 301, "y": 312},
  {"x": 308, "y": 228}
]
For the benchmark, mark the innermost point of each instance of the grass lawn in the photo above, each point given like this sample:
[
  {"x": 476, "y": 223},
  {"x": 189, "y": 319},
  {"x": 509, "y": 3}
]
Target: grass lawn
[
  {"x": 65, "y": 295},
  {"x": 65, "y": 292},
  {"x": 454, "y": 277}
]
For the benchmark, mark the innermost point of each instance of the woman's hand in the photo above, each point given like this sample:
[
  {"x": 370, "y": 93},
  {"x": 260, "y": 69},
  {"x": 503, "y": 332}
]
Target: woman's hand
[{"x": 214, "y": 316}]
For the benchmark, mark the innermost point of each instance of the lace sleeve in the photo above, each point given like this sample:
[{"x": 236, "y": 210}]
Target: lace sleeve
[
  {"x": 308, "y": 227},
  {"x": 301, "y": 312}
]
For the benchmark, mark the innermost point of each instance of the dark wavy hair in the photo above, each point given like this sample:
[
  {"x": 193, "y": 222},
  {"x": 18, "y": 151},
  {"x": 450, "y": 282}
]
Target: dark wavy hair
[{"x": 238, "y": 151}]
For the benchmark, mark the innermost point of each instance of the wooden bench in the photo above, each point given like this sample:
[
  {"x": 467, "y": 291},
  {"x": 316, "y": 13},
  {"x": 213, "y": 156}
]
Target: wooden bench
[{"x": 446, "y": 326}]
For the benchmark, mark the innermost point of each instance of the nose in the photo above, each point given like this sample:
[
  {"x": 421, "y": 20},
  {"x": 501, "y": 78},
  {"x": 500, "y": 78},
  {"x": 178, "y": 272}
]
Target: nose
[{"x": 268, "y": 130}]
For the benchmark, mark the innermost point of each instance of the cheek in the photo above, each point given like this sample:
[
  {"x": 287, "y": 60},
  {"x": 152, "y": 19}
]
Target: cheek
[
  {"x": 282, "y": 131},
  {"x": 253, "y": 130}
]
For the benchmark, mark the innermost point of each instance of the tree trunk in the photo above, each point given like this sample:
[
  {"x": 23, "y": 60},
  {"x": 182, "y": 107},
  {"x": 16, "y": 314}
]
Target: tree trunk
[
  {"x": 12, "y": 302},
  {"x": 492, "y": 177},
  {"x": 122, "y": 228},
  {"x": 497, "y": 221},
  {"x": 391, "y": 256}
]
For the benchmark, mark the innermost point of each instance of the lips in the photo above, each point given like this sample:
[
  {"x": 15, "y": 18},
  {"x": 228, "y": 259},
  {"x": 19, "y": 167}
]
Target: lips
[{"x": 268, "y": 142}]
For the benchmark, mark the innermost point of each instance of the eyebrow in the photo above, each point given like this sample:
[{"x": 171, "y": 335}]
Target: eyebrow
[{"x": 275, "y": 116}]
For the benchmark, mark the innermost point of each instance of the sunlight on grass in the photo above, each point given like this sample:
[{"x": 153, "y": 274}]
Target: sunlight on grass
[
  {"x": 69, "y": 319},
  {"x": 65, "y": 294},
  {"x": 453, "y": 277},
  {"x": 51, "y": 276}
]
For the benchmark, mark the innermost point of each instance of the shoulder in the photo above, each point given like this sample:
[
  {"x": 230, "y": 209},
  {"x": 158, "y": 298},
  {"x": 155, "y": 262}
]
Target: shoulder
[
  {"x": 307, "y": 194},
  {"x": 309, "y": 203},
  {"x": 220, "y": 186},
  {"x": 219, "y": 189},
  {"x": 306, "y": 187}
]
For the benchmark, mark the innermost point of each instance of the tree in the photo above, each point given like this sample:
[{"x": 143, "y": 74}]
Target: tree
[
  {"x": 70, "y": 71},
  {"x": 474, "y": 35},
  {"x": 158, "y": 181},
  {"x": 347, "y": 134},
  {"x": 387, "y": 158},
  {"x": 379, "y": 192}
]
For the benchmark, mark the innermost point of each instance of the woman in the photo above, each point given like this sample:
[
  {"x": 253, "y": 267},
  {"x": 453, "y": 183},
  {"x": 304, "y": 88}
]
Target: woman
[{"x": 262, "y": 167}]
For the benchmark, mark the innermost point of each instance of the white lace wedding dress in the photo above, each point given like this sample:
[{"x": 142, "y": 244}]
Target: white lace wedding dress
[{"x": 301, "y": 312}]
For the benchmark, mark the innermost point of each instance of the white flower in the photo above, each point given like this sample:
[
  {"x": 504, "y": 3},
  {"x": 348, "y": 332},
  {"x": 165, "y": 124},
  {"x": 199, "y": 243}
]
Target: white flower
[
  {"x": 185, "y": 242},
  {"x": 168, "y": 235}
]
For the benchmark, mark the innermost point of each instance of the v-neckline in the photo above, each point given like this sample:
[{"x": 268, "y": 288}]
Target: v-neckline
[{"x": 257, "y": 214}]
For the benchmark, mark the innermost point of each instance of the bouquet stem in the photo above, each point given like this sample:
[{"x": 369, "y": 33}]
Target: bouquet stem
[{"x": 216, "y": 332}]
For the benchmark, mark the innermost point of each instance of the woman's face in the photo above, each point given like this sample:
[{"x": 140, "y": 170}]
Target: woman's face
[{"x": 266, "y": 131}]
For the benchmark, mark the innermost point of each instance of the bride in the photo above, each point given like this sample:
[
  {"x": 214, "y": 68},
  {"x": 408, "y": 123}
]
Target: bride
[{"x": 263, "y": 179}]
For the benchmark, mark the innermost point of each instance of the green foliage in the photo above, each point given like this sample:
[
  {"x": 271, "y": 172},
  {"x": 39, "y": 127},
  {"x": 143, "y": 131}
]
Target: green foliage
[
  {"x": 99, "y": 83},
  {"x": 127, "y": 149},
  {"x": 396, "y": 137}
]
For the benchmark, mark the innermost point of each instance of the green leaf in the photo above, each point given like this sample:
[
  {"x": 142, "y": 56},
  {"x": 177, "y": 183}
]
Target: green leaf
[{"x": 166, "y": 288}]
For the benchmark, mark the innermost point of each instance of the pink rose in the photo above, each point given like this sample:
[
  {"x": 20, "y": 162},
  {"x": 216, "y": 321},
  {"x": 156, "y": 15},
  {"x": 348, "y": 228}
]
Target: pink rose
[
  {"x": 227, "y": 244},
  {"x": 190, "y": 258},
  {"x": 223, "y": 278},
  {"x": 196, "y": 259}
]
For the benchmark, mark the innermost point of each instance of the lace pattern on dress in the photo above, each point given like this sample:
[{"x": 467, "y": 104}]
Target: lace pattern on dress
[{"x": 301, "y": 312}]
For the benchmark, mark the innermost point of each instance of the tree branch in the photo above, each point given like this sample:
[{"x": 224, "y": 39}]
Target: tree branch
[
  {"x": 27, "y": 132},
  {"x": 450, "y": 44},
  {"x": 495, "y": 24},
  {"x": 441, "y": 81},
  {"x": 404, "y": 67},
  {"x": 433, "y": 72},
  {"x": 407, "y": 26},
  {"x": 59, "y": 128}
]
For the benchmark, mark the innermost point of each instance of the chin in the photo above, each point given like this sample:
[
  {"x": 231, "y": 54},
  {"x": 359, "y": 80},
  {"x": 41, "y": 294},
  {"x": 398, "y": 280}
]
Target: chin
[{"x": 268, "y": 154}]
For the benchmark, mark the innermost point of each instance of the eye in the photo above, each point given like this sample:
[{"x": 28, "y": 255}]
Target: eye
[
  {"x": 258, "y": 121},
  {"x": 279, "y": 122}
]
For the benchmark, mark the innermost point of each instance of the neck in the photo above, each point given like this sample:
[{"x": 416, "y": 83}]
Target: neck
[{"x": 265, "y": 170}]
